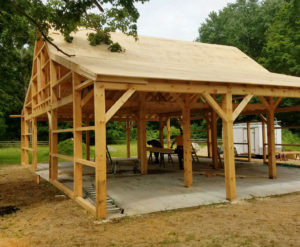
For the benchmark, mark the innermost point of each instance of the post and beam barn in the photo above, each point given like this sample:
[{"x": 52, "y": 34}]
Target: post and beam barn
[{"x": 153, "y": 80}]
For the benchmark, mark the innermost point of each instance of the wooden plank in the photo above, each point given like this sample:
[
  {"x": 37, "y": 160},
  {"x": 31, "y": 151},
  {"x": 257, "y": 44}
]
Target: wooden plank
[
  {"x": 209, "y": 137},
  {"x": 119, "y": 103},
  {"x": 63, "y": 188},
  {"x": 214, "y": 137},
  {"x": 63, "y": 130},
  {"x": 62, "y": 102},
  {"x": 85, "y": 162},
  {"x": 249, "y": 141},
  {"x": 276, "y": 103},
  {"x": 187, "y": 156},
  {"x": 241, "y": 106},
  {"x": 87, "y": 98},
  {"x": 84, "y": 84},
  {"x": 211, "y": 101},
  {"x": 228, "y": 148},
  {"x": 127, "y": 128},
  {"x": 63, "y": 79},
  {"x": 87, "y": 139},
  {"x": 85, "y": 128},
  {"x": 100, "y": 149},
  {"x": 77, "y": 136},
  {"x": 34, "y": 144},
  {"x": 86, "y": 205},
  {"x": 168, "y": 127},
  {"x": 142, "y": 135},
  {"x": 161, "y": 131},
  {"x": 264, "y": 141},
  {"x": 271, "y": 144},
  {"x": 62, "y": 156}
]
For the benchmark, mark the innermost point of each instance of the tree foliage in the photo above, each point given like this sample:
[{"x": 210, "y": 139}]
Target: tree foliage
[
  {"x": 21, "y": 19},
  {"x": 281, "y": 52},
  {"x": 242, "y": 24}
]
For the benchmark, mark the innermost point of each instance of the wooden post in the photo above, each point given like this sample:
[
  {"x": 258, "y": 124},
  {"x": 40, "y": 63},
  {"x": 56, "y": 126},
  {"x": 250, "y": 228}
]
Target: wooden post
[
  {"x": 209, "y": 137},
  {"x": 77, "y": 123},
  {"x": 128, "y": 137},
  {"x": 161, "y": 131},
  {"x": 87, "y": 140},
  {"x": 23, "y": 140},
  {"x": 34, "y": 143},
  {"x": 168, "y": 133},
  {"x": 271, "y": 144},
  {"x": 214, "y": 137},
  {"x": 264, "y": 141},
  {"x": 228, "y": 148},
  {"x": 100, "y": 149},
  {"x": 249, "y": 141},
  {"x": 54, "y": 136},
  {"x": 187, "y": 156},
  {"x": 142, "y": 135},
  {"x": 50, "y": 142}
]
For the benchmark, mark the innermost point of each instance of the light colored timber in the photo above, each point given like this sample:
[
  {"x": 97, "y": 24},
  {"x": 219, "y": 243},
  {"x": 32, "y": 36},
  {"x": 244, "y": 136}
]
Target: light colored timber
[
  {"x": 86, "y": 205},
  {"x": 34, "y": 144},
  {"x": 15, "y": 116},
  {"x": 214, "y": 136},
  {"x": 144, "y": 59},
  {"x": 62, "y": 130},
  {"x": 62, "y": 102},
  {"x": 271, "y": 144},
  {"x": 214, "y": 104},
  {"x": 249, "y": 141},
  {"x": 62, "y": 156},
  {"x": 168, "y": 127},
  {"x": 63, "y": 188},
  {"x": 85, "y": 162},
  {"x": 84, "y": 85},
  {"x": 241, "y": 106},
  {"x": 87, "y": 98},
  {"x": 264, "y": 141},
  {"x": 142, "y": 135},
  {"x": 63, "y": 79},
  {"x": 228, "y": 147},
  {"x": 119, "y": 103},
  {"x": 85, "y": 128},
  {"x": 87, "y": 139},
  {"x": 77, "y": 136},
  {"x": 100, "y": 150},
  {"x": 187, "y": 156}
]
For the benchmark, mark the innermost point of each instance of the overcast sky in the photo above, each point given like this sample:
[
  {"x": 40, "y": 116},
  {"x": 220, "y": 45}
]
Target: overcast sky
[{"x": 175, "y": 19}]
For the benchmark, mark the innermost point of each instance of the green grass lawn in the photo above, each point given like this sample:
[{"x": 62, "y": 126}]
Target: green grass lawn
[{"x": 12, "y": 155}]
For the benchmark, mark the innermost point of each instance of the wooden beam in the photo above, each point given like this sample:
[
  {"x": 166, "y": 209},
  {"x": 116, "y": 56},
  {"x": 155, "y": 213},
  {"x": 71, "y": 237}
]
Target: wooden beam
[
  {"x": 228, "y": 148},
  {"x": 214, "y": 136},
  {"x": 271, "y": 144},
  {"x": 34, "y": 144},
  {"x": 84, "y": 84},
  {"x": 127, "y": 128},
  {"x": 208, "y": 137},
  {"x": 241, "y": 106},
  {"x": 142, "y": 135},
  {"x": 276, "y": 103},
  {"x": 168, "y": 126},
  {"x": 119, "y": 103},
  {"x": 87, "y": 98},
  {"x": 100, "y": 150},
  {"x": 161, "y": 131},
  {"x": 87, "y": 140},
  {"x": 249, "y": 141},
  {"x": 63, "y": 79},
  {"x": 216, "y": 107},
  {"x": 77, "y": 136},
  {"x": 187, "y": 156},
  {"x": 264, "y": 141}
]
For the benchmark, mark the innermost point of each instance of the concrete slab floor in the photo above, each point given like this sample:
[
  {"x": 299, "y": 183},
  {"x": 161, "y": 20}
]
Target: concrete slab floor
[{"x": 163, "y": 188}]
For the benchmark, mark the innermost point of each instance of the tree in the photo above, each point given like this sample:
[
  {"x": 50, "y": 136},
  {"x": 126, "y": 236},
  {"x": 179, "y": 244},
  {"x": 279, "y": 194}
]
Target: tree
[
  {"x": 242, "y": 24},
  {"x": 282, "y": 50},
  {"x": 20, "y": 20}
]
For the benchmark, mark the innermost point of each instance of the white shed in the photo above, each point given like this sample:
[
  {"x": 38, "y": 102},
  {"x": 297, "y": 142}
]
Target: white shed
[{"x": 256, "y": 134}]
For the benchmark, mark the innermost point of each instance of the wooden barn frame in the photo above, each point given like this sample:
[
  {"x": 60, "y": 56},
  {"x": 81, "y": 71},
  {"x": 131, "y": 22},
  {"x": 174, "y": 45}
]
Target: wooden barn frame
[{"x": 67, "y": 89}]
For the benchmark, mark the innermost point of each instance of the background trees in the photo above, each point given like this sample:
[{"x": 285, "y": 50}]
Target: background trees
[{"x": 268, "y": 31}]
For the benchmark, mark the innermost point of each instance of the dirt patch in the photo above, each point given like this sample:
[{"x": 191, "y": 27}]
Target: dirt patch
[{"x": 47, "y": 220}]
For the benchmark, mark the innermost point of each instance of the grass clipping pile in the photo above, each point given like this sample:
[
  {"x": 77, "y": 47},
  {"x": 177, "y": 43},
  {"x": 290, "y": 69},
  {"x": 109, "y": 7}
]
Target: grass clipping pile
[{"x": 45, "y": 219}]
